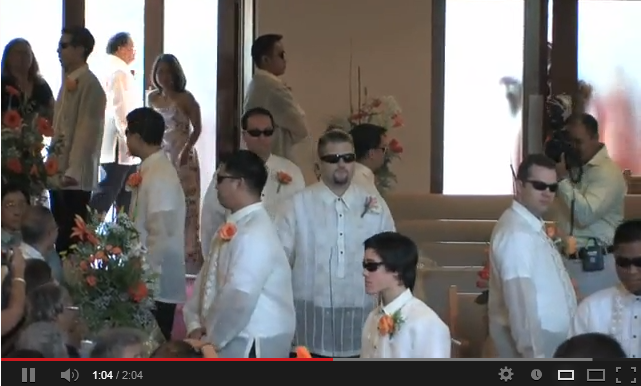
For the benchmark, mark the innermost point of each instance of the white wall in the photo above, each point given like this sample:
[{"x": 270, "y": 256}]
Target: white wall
[{"x": 391, "y": 42}]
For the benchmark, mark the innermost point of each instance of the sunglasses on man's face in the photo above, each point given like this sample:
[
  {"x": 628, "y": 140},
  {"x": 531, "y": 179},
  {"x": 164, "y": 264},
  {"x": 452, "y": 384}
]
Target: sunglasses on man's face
[
  {"x": 336, "y": 158},
  {"x": 258, "y": 132},
  {"x": 626, "y": 262},
  {"x": 371, "y": 266},
  {"x": 541, "y": 186},
  {"x": 221, "y": 178}
]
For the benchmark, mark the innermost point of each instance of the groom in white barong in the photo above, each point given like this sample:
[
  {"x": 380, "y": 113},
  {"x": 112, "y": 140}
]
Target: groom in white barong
[
  {"x": 242, "y": 302},
  {"x": 323, "y": 228},
  {"x": 531, "y": 298}
]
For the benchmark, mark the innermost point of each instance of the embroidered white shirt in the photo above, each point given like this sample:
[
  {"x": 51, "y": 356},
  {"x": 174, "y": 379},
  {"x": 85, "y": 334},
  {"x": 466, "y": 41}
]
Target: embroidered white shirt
[
  {"x": 532, "y": 300},
  {"x": 422, "y": 334},
  {"x": 615, "y": 312},
  {"x": 364, "y": 176},
  {"x": 213, "y": 214},
  {"x": 323, "y": 237}
]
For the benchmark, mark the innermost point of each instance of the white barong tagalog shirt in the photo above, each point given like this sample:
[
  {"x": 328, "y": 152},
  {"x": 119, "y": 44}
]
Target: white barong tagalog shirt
[
  {"x": 243, "y": 294},
  {"x": 532, "y": 300},
  {"x": 364, "y": 176},
  {"x": 421, "y": 335},
  {"x": 613, "y": 311},
  {"x": 213, "y": 214},
  {"x": 156, "y": 206},
  {"x": 323, "y": 237}
]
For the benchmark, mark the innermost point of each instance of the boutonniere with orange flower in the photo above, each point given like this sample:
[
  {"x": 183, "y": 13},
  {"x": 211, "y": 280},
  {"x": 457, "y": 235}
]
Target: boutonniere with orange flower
[
  {"x": 283, "y": 179},
  {"x": 302, "y": 352},
  {"x": 133, "y": 181},
  {"x": 227, "y": 231},
  {"x": 71, "y": 84},
  {"x": 371, "y": 205},
  {"x": 388, "y": 325}
]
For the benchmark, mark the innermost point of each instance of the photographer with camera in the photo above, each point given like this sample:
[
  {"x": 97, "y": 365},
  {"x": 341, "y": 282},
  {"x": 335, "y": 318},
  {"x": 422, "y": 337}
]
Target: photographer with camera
[{"x": 592, "y": 191}]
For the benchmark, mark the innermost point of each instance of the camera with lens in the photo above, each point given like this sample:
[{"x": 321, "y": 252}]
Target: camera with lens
[{"x": 558, "y": 143}]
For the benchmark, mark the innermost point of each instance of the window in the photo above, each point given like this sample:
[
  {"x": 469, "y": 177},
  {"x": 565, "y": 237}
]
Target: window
[
  {"x": 105, "y": 19},
  {"x": 191, "y": 34},
  {"x": 482, "y": 101},
  {"x": 40, "y": 22},
  {"x": 608, "y": 60}
]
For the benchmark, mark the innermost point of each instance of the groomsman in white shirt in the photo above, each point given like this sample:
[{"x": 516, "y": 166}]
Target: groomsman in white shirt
[
  {"x": 531, "y": 297},
  {"x": 284, "y": 177},
  {"x": 323, "y": 229},
  {"x": 157, "y": 207},
  {"x": 370, "y": 146},
  {"x": 243, "y": 302},
  {"x": 616, "y": 311},
  {"x": 122, "y": 97}
]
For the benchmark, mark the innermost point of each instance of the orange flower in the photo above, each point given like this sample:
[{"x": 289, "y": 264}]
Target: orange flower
[
  {"x": 12, "y": 119},
  {"x": 71, "y": 84},
  {"x": 84, "y": 266},
  {"x": 138, "y": 292},
  {"x": 91, "y": 280},
  {"x": 12, "y": 91},
  {"x": 134, "y": 180},
  {"x": 550, "y": 230},
  {"x": 397, "y": 121},
  {"x": 51, "y": 166},
  {"x": 395, "y": 146},
  {"x": 14, "y": 165},
  {"x": 227, "y": 231},
  {"x": 44, "y": 127},
  {"x": 283, "y": 178},
  {"x": 302, "y": 352},
  {"x": 385, "y": 325},
  {"x": 80, "y": 230}
]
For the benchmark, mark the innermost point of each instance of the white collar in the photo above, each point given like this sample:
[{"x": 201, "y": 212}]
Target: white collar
[
  {"x": 77, "y": 73},
  {"x": 536, "y": 223},
  {"x": 349, "y": 198},
  {"x": 149, "y": 161},
  {"x": 118, "y": 64},
  {"x": 398, "y": 303},
  {"x": 31, "y": 252},
  {"x": 246, "y": 211},
  {"x": 601, "y": 156},
  {"x": 267, "y": 74},
  {"x": 365, "y": 169}
]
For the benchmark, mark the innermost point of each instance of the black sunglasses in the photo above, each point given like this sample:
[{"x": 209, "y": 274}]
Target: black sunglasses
[
  {"x": 371, "y": 266},
  {"x": 221, "y": 178},
  {"x": 625, "y": 262},
  {"x": 257, "y": 132},
  {"x": 541, "y": 186},
  {"x": 335, "y": 158}
]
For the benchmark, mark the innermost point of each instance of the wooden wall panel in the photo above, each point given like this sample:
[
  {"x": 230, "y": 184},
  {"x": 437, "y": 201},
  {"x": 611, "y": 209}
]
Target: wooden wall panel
[
  {"x": 565, "y": 41},
  {"x": 437, "y": 109},
  {"x": 74, "y": 13},
  {"x": 154, "y": 35}
]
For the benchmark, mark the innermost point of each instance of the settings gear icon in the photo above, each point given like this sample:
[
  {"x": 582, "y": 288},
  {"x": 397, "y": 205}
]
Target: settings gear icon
[{"x": 506, "y": 374}]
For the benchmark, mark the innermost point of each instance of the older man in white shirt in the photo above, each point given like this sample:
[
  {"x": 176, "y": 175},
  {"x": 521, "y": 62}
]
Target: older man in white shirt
[
  {"x": 284, "y": 177},
  {"x": 122, "y": 97},
  {"x": 370, "y": 146},
  {"x": 243, "y": 302},
  {"x": 592, "y": 200},
  {"x": 157, "y": 202},
  {"x": 323, "y": 229},
  {"x": 531, "y": 297},
  {"x": 616, "y": 311}
]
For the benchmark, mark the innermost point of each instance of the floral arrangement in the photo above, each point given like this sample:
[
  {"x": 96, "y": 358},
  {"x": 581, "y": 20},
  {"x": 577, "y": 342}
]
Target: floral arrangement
[
  {"x": 107, "y": 275},
  {"x": 22, "y": 145},
  {"x": 388, "y": 325}
]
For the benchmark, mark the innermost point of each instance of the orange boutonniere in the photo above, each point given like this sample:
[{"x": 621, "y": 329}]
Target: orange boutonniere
[
  {"x": 227, "y": 231},
  {"x": 371, "y": 205},
  {"x": 71, "y": 84},
  {"x": 388, "y": 325},
  {"x": 302, "y": 352},
  {"x": 283, "y": 179},
  {"x": 133, "y": 181}
]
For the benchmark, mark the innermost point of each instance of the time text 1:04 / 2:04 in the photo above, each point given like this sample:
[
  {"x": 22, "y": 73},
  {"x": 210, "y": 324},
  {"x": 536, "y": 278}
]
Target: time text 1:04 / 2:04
[{"x": 120, "y": 374}]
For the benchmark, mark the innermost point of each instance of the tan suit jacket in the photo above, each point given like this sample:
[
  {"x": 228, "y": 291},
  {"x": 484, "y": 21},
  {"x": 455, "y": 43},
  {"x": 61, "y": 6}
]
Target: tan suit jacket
[
  {"x": 269, "y": 92},
  {"x": 78, "y": 120}
]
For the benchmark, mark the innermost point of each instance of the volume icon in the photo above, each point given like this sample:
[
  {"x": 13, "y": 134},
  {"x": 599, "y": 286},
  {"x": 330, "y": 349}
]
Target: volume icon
[{"x": 70, "y": 375}]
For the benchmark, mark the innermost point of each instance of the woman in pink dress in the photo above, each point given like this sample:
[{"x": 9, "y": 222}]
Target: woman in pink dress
[{"x": 182, "y": 117}]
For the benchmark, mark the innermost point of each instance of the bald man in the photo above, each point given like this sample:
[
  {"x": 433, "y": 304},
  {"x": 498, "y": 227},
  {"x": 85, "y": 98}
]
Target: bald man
[{"x": 39, "y": 232}]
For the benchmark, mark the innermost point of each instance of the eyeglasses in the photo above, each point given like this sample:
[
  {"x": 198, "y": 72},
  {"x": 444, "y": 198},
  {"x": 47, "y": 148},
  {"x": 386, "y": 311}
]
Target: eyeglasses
[
  {"x": 257, "y": 132},
  {"x": 625, "y": 262},
  {"x": 541, "y": 186},
  {"x": 220, "y": 178},
  {"x": 336, "y": 158},
  {"x": 371, "y": 266}
]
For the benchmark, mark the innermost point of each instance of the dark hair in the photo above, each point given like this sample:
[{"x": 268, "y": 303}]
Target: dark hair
[
  {"x": 177, "y": 73},
  {"x": 81, "y": 37},
  {"x": 588, "y": 121},
  {"x": 117, "y": 41},
  {"x": 398, "y": 253},
  {"x": 35, "y": 224},
  {"x": 248, "y": 166},
  {"x": 256, "y": 111},
  {"x": 46, "y": 303},
  {"x": 176, "y": 349},
  {"x": 366, "y": 137},
  {"x": 591, "y": 345},
  {"x": 627, "y": 232},
  {"x": 10, "y": 187},
  {"x": 25, "y": 353},
  {"x": 34, "y": 71},
  {"x": 148, "y": 124},
  {"x": 36, "y": 274},
  {"x": 523, "y": 173},
  {"x": 263, "y": 46},
  {"x": 112, "y": 343},
  {"x": 332, "y": 136}
]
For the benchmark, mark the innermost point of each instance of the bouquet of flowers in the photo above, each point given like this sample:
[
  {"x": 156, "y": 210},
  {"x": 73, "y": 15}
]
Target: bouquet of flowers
[
  {"x": 108, "y": 277},
  {"x": 22, "y": 145}
]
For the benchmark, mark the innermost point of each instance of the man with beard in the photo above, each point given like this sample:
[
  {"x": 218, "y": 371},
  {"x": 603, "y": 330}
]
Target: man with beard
[
  {"x": 616, "y": 310},
  {"x": 322, "y": 229}
]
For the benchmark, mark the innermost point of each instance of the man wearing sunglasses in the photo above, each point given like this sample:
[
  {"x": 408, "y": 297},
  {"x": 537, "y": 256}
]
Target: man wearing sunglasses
[
  {"x": 370, "y": 146},
  {"x": 531, "y": 298},
  {"x": 323, "y": 228},
  {"x": 591, "y": 207},
  {"x": 616, "y": 311},
  {"x": 284, "y": 177}
]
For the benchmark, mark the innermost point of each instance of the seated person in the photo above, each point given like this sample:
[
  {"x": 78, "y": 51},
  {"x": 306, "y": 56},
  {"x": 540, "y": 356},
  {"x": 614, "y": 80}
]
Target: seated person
[
  {"x": 119, "y": 343},
  {"x": 45, "y": 338},
  {"x": 389, "y": 268},
  {"x": 39, "y": 232},
  {"x": 188, "y": 348},
  {"x": 592, "y": 345},
  {"x": 614, "y": 311}
]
